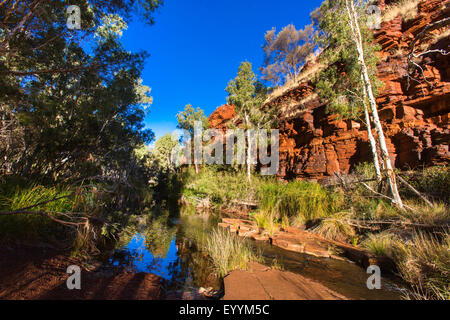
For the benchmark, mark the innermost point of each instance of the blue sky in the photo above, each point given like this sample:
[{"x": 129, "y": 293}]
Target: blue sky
[{"x": 196, "y": 47}]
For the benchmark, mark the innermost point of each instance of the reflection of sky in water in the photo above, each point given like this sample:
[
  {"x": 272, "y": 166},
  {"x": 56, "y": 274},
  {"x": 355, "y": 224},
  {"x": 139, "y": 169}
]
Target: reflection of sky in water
[
  {"x": 140, "y": 259},
  {"x": 183, "y": 270}
]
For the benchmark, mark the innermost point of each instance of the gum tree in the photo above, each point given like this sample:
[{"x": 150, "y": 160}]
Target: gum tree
[
  {"x": 187, "y": 120},
  {"x": 286, "y": 52},
  {"x": 74, "y": 96},
  {"x": 247, "y": 94},
  {"x": 350, "y": 83}
]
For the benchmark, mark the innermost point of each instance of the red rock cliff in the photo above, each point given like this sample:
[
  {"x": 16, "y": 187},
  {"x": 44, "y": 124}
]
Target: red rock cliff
[{"x": 314, "y": 144}]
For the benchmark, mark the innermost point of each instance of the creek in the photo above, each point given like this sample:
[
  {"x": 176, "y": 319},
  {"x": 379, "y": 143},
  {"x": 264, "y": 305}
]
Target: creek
[{"x": 168, "y": 247}]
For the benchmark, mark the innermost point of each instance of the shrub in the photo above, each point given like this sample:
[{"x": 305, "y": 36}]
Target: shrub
[
  {"x": 266, "y": 222},
  {"x": 221, "y": 187},
  {"x": 424, "y": 214},
  {"x": 432, "y": 181}
]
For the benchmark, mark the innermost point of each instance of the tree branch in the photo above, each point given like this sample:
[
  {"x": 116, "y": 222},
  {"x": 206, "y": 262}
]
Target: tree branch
[{"x": 38, "y": 72}]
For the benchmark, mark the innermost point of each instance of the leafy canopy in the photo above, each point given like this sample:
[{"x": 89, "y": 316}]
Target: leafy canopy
[
  {"x": 247, "y": 94},
  {"x": 189, "y": 116},
  {"x": 73, "y": 100},
  {"x": 286, "y": 52},
  {"x": 340, "y": 84}
]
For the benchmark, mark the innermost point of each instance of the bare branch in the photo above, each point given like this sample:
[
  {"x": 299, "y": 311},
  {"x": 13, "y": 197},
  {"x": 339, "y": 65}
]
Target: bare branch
[
  {"x": 412, "y": 65},
  {"x": 416, "y": 192}
]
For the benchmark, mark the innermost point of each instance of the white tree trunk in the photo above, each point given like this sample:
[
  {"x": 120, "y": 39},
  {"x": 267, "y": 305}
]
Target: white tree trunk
[
  {"x": 373, "y": 144},
  {"x": 373, "y": 105},
  {"x": 249, "y": 166}
]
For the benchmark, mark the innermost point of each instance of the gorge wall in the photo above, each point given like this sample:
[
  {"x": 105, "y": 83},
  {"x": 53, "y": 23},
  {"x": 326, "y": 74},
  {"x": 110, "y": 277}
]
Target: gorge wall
[{"x": 315, "y": 144}]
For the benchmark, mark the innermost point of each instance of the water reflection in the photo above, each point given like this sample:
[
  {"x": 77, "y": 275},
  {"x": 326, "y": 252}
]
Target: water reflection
[{"x": 168, "y": 247}]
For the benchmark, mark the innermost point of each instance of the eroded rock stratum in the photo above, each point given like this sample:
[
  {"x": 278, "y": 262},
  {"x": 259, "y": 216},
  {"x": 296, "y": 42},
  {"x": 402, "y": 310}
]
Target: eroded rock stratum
[{"x": 315, "y": 144}]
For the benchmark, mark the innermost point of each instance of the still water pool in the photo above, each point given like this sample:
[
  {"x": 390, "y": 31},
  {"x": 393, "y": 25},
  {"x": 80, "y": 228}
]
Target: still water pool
[{"x": 168, "y": 247}]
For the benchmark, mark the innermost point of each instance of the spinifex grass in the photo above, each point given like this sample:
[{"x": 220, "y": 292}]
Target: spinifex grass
[
  {"x": 424, "y": 262},
  {"x": 228, "y": 252},
  {"x": 266, "y": 222},
  {"x": 298, "y": 200},
  {"x": 381, "y": 244}
]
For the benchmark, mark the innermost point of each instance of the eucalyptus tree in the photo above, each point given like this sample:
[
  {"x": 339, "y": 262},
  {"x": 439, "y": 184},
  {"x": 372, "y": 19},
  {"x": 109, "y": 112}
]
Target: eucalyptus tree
[
  {"x": 187, "y": 120},
  {"x": 162, "y": 151},
  {"x": 247, "y": 94},
  {"x": 349, "y": 84},
  {"x": 75, "y": 94},
  {"x": 285, "y": 53}
]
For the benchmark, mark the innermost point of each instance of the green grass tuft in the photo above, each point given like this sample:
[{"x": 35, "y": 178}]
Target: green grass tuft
[{"x": 228, "y": 252}]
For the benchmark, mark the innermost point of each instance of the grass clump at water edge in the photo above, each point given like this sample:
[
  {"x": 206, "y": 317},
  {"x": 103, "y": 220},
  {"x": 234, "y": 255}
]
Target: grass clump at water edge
[{"x": 228, "y": 252}]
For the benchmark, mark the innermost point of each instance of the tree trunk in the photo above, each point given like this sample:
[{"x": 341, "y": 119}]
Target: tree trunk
[
  {"x": 372, "y": 141},
  {"x": 196, "y": 168},
  {"x": 373, "y": 105},
  {"x": 249, "y": 168}
]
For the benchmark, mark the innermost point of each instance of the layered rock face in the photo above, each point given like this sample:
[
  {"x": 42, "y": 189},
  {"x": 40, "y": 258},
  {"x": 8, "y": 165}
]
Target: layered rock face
[{"x": 415, "y": 115}]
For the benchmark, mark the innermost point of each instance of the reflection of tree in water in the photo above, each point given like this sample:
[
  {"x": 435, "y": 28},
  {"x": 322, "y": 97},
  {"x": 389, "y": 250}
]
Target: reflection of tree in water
[
  {"x": 152, "y": 236},
  {"x": 123, "y": 258},
  {"x": 150, "y": 239},
  {"x": 193, "y": 268},
  {"x": 159, "y": 235}
]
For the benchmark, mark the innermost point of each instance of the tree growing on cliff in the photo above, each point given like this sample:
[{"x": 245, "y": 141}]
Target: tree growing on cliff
[
  {"x": 187, "y": 120},
  {"x": 247, "y": 94},
  {"x": 286, "y": 52},
  {"x": 340, "y": 84},
  {"x": 350, "y": 84}
]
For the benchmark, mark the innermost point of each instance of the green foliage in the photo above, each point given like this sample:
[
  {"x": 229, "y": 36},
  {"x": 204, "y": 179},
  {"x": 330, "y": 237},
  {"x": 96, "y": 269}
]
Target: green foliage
[
  {"x": 422, "y": 259},
  {"x": 340, "y": 84},
  {"x": 111, "y": 28},
  {"x": 434, "y": 182},
  {"x": 158, "y": 235},
  {"x": 247, "y": 95},
  {"x": 73, "y": 105},
  {"x": 162, "y": 152},
  {"x": 336, "y": 227},
  {"x": 285, "y": 53},
  {"x": 380, "y": 244},
  {"x": 188, "y": 117},
  {"x": 266, "y": 222},
  {"x": 439, "y": 215},
  {"x": 299, "y": 201},
  {"x": 228, "y": 252},
  {"x": 220, "y": 187},
  {"x": 74, "y": 98},
  {"x": 32, "y": 226}
]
